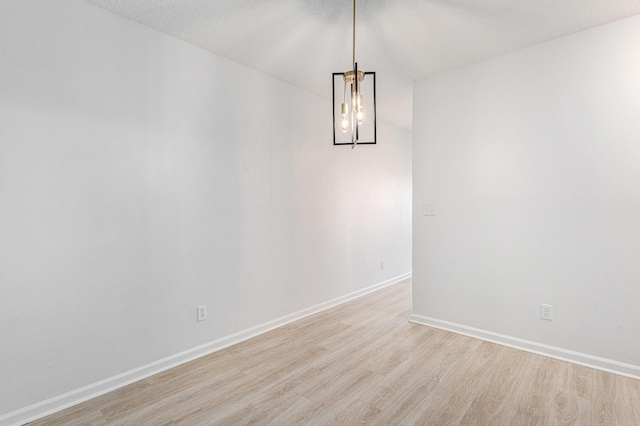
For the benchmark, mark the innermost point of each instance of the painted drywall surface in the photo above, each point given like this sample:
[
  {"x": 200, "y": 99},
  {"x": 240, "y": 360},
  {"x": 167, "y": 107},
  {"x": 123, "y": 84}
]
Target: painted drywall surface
[
  {"x": 141, "y": 177},
  {"x": 533, "y": 159}
]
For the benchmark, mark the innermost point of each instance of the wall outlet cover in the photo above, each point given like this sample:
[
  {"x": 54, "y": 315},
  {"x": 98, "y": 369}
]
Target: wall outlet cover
[
  {"x": 546, "y": 312},
  {"x": 202, "y": 313}
]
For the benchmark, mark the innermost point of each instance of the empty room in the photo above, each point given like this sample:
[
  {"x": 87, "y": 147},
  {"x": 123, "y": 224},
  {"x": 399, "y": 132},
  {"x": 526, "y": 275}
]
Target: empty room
[{"x": 319, "y": 212}]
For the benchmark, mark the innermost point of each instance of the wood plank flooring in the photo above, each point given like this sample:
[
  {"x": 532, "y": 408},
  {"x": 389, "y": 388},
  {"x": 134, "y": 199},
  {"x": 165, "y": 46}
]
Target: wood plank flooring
[{"x": 364, "y": 363}]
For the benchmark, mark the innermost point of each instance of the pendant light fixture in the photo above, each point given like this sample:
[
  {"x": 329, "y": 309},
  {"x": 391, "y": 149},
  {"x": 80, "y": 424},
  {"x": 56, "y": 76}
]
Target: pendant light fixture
[{"x": 356, "y": 123}]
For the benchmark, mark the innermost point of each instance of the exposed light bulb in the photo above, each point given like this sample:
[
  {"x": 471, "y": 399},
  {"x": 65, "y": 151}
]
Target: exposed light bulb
[
  {"x": 345, "y": 118},
  {"x": 345, "y": 123},
  {"x": 360, "y": 110}
]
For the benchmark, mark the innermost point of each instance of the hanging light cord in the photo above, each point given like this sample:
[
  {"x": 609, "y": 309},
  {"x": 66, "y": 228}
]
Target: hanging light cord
[
  {"x": 354, "y": 138},
  {"x": 353, "y": 56}
]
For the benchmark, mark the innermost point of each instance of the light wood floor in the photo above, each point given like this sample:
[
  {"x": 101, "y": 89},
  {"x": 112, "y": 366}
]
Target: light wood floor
[{"x": 364, "y": 363}]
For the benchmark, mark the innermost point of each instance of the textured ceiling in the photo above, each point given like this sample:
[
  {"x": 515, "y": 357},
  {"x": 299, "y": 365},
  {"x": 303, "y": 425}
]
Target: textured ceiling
[{"x": 304, "y": 41}]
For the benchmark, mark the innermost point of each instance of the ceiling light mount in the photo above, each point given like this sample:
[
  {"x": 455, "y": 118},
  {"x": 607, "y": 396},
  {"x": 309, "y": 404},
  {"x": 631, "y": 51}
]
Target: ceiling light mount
[{"x": 357, "y": 118}]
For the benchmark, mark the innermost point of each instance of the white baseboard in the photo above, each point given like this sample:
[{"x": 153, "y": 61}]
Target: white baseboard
[
  {"x": 598, "y": 363},
  {"x": 58, "y": 403}
]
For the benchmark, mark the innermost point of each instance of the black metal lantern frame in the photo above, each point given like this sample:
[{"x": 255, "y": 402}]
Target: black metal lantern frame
[{"x": 365, "y": 132}]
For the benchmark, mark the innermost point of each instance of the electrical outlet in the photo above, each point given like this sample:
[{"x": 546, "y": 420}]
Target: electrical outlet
[
  {"x": 202, "y": 313},
  {"x": 382, "y": 265},
  {"x": 546, "y": 312}
]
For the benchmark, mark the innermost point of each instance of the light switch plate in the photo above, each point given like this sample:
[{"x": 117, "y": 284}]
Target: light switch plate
[{"x": 428, "y": 209}]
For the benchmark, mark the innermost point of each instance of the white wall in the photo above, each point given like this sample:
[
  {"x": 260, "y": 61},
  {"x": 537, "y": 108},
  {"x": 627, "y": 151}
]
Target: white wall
[
  {"x": 141, "y": 177},
  {"x": 533, "y": 159}
]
